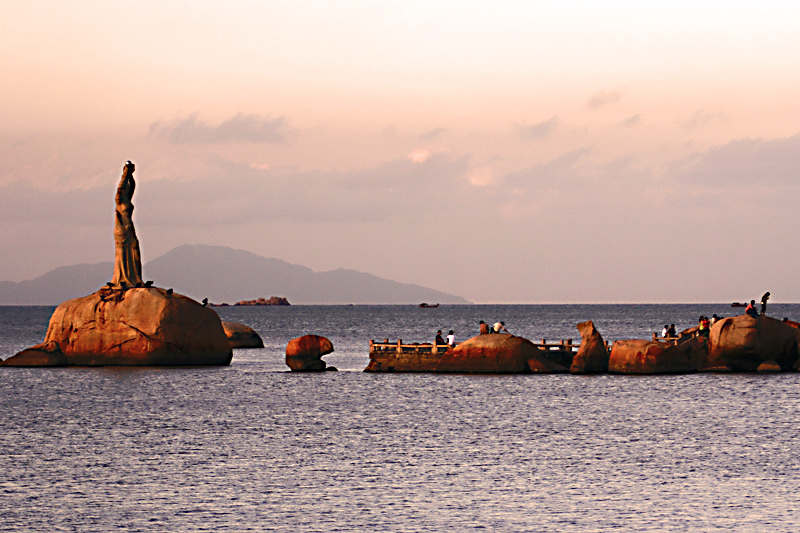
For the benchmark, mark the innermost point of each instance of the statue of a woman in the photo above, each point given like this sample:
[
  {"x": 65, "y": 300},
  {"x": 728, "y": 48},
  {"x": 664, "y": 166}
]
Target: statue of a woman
[{"x": 127, "y": 259}]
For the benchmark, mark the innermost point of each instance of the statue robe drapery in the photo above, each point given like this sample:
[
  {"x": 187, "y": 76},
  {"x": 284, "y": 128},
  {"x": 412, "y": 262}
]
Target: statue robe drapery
[{"x": 127, "y": 258}]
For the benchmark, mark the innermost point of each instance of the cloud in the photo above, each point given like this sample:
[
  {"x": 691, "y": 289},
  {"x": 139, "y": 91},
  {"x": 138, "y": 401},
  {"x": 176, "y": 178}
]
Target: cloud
[
  {"x": 432, "y": 134},
  {"x": 702, "y": 118},
  {"x": 602, "y": 99},
  {"x": 632, "y": 121},
  {"x": 538, "y": 131},
  {"x": 755, "y": 164},
  {"x": 243, "y": 127}
]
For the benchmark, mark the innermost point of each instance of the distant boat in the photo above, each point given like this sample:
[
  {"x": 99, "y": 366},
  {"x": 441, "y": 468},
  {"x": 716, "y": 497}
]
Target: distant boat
[
  {"x": 737, "y": 304},
  {"x": 428, "y": 306}
]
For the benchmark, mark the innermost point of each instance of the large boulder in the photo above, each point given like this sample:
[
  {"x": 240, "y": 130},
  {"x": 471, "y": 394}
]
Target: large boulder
[
  {"x": 497, "y": 354},
  {"x": 592, "y": 356},
  {"x": 140, "y": 326},
  {"x": 744, "y": 342},
  {"x": 304, "y": 354},
  {"x": 639, "y": 356},
  {"x": 242, "y": 336},
  {"x": 44, "y": 354}
]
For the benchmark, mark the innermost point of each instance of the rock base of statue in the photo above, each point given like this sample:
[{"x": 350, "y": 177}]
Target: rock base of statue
[{"x": 133, "y": 327}]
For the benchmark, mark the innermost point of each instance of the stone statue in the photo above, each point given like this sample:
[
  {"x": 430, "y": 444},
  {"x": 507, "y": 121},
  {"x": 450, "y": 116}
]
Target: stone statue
[{"x": 127, "y": 258}]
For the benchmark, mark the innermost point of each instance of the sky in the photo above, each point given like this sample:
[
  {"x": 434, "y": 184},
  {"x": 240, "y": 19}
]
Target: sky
[{"x": 506, "y": 152}]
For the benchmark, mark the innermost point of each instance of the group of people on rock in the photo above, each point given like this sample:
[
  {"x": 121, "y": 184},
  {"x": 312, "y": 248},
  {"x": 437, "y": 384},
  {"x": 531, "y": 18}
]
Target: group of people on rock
[
  {"x": 498, "y": 327},
  {"x": 751, "y": 307},
  {"x": 484, "y": 328},
  {"x": 451, "y": 338}
]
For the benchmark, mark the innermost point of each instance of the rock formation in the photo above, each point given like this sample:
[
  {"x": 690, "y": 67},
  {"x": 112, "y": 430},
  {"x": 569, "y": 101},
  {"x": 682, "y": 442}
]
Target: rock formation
[
  {"x": 744, "y": 342},
  {"x": 592, "y": 355},
  {"x": 304, "y": 354},
  {"x": 638, "y": 356},
  {"x": 128, "y": 322},
  {"x": 139, "y": 326},
  {"x": 272, "y": 300},
  {"x": 242, "y": 336},
  {"x": 44, "y": 354},
  {"x": 497, "y": 354}
]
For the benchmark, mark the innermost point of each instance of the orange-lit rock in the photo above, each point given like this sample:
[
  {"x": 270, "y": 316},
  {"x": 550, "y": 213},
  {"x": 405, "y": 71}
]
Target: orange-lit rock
[
  {"x": 141, "y": 326},
  {"x": 304, "y": 354},
  {"x": 769, "y": 366},
  {"x": 592, "y": 356},
  {"x": 496, "y": 354},
  {"x": 242, "y": 336},
  {"x": 647, "y": 357},
  {"x": 44, "y": 354},
  {"x": 744, "y": 342}
]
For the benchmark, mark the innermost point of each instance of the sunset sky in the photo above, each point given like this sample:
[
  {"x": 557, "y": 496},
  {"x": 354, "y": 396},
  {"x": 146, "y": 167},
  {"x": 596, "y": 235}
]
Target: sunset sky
[{"x": 507, "y": 152}]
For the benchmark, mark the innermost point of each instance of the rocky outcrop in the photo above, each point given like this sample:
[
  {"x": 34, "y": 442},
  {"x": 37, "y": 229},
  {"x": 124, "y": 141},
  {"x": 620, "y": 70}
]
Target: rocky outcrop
[
  {"x": 744, "y": 342},
  {"x": 242, "y": 336},
  {"x": 638, "y": 356},
  {"x": 44, "y": 354},
  {"x": 134, "y": 327},
  {"x": 497, "y": 354},
  {"x": 592, "y": 356},
  {"x": 272, "y": 300},
  {"x": 304, "y": 354}
]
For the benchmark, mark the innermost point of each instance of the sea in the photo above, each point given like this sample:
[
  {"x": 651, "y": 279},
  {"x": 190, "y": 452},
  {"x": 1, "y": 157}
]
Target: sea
[{"x": 254, "y": 447}]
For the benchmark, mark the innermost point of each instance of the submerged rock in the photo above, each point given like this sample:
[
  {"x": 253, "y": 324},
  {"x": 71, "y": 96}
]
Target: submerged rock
[
  {"x": 139, "y": 326},
  {"x": 304, "y": 354},
  {"x": 242, "y": 336},
  {"x": 638, "y": 356},
  {"x": 592, "y": 356}
]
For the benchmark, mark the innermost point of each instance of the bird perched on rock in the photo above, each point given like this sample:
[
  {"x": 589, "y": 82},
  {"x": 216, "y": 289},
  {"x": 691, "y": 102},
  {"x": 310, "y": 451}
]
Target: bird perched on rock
[
  {"x": 169, "y": 292},
  {"x": 205, "y": 302}
]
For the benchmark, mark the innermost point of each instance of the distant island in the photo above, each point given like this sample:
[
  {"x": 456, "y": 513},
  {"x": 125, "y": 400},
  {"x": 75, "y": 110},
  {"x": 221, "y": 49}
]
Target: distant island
[
  {"x": 272, "y": 300},
  {"x": 224, "y": 274}
]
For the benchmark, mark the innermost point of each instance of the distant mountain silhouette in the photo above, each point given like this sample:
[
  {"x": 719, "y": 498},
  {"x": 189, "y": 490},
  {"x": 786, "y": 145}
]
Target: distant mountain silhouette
[{"x": 224, "y": 274}]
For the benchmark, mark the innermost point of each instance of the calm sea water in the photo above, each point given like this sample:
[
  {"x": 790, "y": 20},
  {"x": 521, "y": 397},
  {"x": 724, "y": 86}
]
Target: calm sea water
[{"x": 252, "y": 447}]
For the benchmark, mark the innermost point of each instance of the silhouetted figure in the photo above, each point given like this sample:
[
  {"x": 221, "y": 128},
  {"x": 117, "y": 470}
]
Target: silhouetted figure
[
  {"x": 109, "y": 284},
  {"x": 148, "y": 283},
  {"x": 123, "y": 285},
  {"x": 764, "y": 303},
  {"x": 205, "y": 302},
  {"x": 169, "y": 292},
  {"x": 439, "y": 338},
  {"x": 127, "y": 259}
]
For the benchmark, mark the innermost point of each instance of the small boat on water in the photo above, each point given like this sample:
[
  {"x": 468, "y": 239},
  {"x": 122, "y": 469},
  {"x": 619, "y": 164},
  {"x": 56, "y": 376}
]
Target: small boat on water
[
  {"x": 428, "y": 306},
  {"x": 738, "y": 304}
]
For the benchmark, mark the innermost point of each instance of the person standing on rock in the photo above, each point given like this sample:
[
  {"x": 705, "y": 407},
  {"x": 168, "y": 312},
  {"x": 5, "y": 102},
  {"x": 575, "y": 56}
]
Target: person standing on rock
[
  {"x": 127, "y": 258},
  {"x": 764, "y": 302}
]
